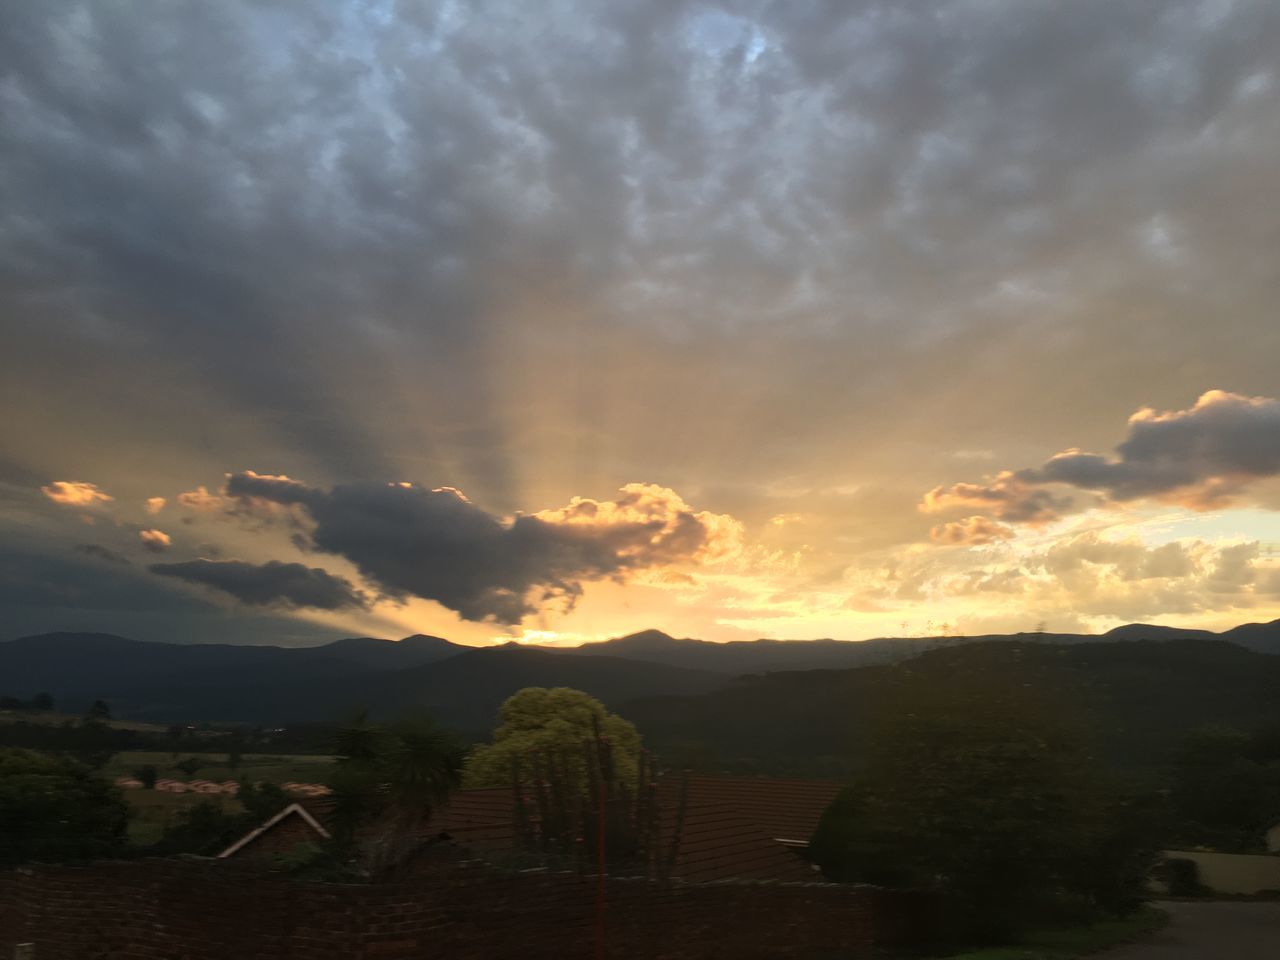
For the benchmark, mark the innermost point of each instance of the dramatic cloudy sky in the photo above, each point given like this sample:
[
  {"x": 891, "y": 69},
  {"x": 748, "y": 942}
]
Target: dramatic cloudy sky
[{"x": 559, "y": 320}]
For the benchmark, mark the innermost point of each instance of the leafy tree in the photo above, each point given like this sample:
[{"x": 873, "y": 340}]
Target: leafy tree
[
  {"x": 53, "y": 809},
  {"x": 976, "y": 790},
  {"x": 205, "y": 828},
  {"x": 147, "y": 774},
  {"x": 1226, "y": 787},
  {"x": 261, "y": 801},
  {"x": 558, "y": 720},
  {"x": 99, "y": 711},
  {"x": 385, "y": 782},
  {"x": 93, "y": 743},
  {"x": 189, "y": 766}
]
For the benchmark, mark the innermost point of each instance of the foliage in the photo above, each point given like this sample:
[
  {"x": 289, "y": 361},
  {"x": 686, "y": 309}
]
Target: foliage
[
  {"x": 53, "y": 809},
  {"x": 979, "y": 790},
  {"x": 190, "y": 765},
  {"x": 147, "y": 775},
  {"x": 385, "y": 782},
  {"x": 41, "y": 701},
  {"x": 99, "y": 711},
  {"x": 205, "y": 828},
  {"x": 557, "y": 720},
  {"x": 1182, "y": 876},
  {"x": 261, "y": 801},
  {"x": 561, "y": 821},
  {"x": 1078, "y": 940},
  {"x": 1226, "y": 787}
]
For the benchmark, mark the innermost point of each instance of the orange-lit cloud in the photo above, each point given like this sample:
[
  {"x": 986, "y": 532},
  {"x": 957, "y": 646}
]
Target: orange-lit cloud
[
  {"x": 1007, "y": 497},
  {"x": 201, "y": 500},
  {"x": 155, "y": 504},
  {"x": 973, "y": 531},
  {"x": 75, "y": 493},
  {"x": 157, "y": 541},
  {"x": 1201, "y": 458}
]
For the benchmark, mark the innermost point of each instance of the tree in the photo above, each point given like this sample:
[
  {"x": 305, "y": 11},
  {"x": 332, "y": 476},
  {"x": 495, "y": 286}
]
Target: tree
[
  {"x": 385, "y": 783},
  {"x": 976, "y": 790},
  {"x": 540, "y": 720},
  {"x": 189, "y": 766},
  {"x": 1226, "y": 787},
  {"x": 99, "y": 712},
  {"x": 53, "y": 809},
  {"x": 147, "y": 774}
]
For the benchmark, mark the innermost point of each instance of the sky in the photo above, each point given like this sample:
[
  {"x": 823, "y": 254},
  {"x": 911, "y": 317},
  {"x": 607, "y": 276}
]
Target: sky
[{"x": 552, "y": 322}]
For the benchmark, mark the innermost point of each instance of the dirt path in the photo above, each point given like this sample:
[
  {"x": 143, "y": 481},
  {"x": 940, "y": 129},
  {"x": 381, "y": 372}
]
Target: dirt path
[{"x": 1211, "y": 931}]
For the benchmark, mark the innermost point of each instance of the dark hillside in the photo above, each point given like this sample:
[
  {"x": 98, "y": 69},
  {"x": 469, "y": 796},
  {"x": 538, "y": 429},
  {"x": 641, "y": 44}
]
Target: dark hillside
[{"x": 1138, "y": 699}]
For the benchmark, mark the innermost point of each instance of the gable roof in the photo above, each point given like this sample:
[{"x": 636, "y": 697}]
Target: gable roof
[{"x": 292, "y": 810}]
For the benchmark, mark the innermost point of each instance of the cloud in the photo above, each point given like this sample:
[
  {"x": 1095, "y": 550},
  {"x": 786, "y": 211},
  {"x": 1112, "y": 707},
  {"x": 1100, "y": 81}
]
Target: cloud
[
  {"x": 75, "y": 493},
  {"x": 290, "y": 585},
  {"x": 101, "y": 553},
  {"x": 1008, "y": 497},
  {"x": 201, "y": 500},
  {"x": 972, "y": 531},
  {"x": 155, "y": 504},
  {"x": 157, "y": 541},
  {"x": 1203, "y": 458},
  {"x": 438, "y": 545}
]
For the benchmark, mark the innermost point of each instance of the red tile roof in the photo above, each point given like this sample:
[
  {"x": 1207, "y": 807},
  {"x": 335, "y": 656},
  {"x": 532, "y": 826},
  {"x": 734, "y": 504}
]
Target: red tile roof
[{"x": 730, "y": 831}]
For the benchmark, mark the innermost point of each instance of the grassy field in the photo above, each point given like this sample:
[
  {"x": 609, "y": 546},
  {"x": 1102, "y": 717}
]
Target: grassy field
[
  {"x": 1068, "y": 943},
  {"x": 154, "y": 810}
]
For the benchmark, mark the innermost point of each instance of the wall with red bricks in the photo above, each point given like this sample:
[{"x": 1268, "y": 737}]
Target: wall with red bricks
[{"x": 190, "y": 909}]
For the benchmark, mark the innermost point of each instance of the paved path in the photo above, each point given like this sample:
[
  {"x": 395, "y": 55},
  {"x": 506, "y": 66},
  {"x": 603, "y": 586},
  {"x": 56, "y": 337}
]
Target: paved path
[{"x": 1221, "y": 930}]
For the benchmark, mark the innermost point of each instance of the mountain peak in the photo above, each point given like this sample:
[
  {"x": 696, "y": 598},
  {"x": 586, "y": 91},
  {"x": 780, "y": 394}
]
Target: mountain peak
[{"x": 647, "y": 637}]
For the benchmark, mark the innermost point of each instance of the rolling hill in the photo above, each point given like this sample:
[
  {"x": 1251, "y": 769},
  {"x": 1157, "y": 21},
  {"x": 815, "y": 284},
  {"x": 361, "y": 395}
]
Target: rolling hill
[{"x": 463, "y": 685}]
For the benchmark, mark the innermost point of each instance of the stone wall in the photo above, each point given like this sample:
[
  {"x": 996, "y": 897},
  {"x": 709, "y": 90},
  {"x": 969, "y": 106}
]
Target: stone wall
[{"x": 211, "y": 910}]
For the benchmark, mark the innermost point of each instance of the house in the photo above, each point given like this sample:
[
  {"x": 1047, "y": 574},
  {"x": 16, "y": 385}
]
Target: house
[{"x": 733, "y": 828}]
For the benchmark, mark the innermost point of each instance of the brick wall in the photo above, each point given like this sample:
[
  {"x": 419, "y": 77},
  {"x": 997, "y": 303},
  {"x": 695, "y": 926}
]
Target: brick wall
[{"x": 211, "y": 910}]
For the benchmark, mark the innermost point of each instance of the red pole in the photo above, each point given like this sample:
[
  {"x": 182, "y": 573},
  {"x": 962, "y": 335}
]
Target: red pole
[{"x": 600, "y": 888}]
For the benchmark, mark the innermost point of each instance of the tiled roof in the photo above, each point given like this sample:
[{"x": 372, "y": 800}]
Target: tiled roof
[
  {"x": 785, "y": 809},
  {"x": 730, "y": 830}
]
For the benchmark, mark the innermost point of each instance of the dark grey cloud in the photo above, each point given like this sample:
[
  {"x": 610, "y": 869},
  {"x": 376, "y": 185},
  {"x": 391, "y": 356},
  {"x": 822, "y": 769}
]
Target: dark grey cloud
[
  {"x": 272, "y": 583},
  {"x": 101, "y": 553},
  {"x": 438, "y": 545},
  {"x": 1201, "y": 457}
]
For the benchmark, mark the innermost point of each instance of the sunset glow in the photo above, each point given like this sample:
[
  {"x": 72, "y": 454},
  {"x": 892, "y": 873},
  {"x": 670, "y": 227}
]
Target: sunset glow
[{"x": 765, "y": 323}]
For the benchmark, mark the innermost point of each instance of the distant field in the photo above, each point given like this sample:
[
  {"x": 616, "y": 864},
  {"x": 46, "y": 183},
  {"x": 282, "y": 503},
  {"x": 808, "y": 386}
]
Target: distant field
[{"x": 269, "y": 767}]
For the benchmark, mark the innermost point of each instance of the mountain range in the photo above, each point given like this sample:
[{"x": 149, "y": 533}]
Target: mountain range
[{"x": 462, "y": 685}]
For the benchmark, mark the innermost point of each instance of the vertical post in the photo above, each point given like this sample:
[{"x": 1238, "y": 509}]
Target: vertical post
[{"x": 600, "y": 885}]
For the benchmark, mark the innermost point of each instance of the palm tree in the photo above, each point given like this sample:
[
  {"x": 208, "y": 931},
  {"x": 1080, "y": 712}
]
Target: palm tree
[{"x": 387, "y": 780}]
